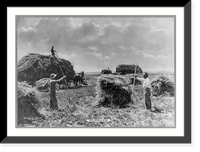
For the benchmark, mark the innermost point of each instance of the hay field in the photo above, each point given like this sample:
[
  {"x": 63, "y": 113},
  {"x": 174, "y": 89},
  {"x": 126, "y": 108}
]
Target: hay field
[{"x": 78, "y": 107}]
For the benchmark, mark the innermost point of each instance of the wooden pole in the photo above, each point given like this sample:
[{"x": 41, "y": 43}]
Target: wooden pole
[
  {"x": 134, "y": 78},
  {"x": 62, "y": 70},
  {"x": 133, "y": 93}
]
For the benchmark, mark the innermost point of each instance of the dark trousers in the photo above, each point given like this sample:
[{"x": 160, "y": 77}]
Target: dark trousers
[
  {"x": 53, "y": 102},
  {"x": 147, "y": 98}
]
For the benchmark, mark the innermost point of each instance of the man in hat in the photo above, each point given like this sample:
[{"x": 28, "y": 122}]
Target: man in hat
[
  {"x": 52, "y": 91},
  {"x": 147, "y": 89}
]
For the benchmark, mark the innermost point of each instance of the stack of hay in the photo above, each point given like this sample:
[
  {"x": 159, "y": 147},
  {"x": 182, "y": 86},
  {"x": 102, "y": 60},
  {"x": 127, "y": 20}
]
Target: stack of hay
[
  {"x": 162, "y": 85},
  {"x": 106, "y": 71},
  {"x": 127, "y": 69},
  {"x": 113, "y": 91},
  {"x": 28, "y": 103},
  {"x": 34, "y": 67}
]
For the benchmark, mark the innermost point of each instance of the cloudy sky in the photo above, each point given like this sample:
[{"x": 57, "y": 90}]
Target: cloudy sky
[{"x": 96, "y": 43}]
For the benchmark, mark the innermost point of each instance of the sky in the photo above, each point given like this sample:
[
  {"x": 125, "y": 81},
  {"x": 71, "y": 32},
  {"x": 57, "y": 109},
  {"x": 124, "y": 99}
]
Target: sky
[{"x": 94, "y": 43}]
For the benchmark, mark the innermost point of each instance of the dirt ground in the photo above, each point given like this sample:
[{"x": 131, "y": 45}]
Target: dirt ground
[{"x": 78, "y": 107}]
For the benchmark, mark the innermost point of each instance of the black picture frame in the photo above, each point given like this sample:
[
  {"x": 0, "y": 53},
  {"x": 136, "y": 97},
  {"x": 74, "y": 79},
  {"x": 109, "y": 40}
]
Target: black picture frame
[{"x": 126, "y": 139}]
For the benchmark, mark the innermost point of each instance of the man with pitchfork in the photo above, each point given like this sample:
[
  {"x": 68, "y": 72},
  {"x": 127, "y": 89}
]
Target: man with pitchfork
[{"x": 147, "y": 88}]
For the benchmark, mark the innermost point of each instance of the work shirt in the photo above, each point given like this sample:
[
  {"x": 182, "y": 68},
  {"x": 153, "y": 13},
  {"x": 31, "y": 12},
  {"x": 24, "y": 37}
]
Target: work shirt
[
  {"x": 146, "y": 82},
  {"x": 53, "y": 86},
  {"x": 53, "y": 52}
]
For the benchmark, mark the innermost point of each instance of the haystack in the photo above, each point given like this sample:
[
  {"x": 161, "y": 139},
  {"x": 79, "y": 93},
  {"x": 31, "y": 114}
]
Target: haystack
[
  {"x": 113, "y": 91},
  {"x": 162, "y": 85},
  {"x": 28, "y": 103},
  {"x": 33, "y": 67},
  {"x": 128, "y": 69},
  {"x": 106, "y": 71}
]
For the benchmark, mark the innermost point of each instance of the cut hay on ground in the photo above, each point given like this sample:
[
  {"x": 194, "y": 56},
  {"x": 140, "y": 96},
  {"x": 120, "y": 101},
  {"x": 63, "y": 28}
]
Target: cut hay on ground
[
  {"x": 162, "y": 85},
  {"x": 113, "y": 91},
  {"x": 28, "y": 103}
]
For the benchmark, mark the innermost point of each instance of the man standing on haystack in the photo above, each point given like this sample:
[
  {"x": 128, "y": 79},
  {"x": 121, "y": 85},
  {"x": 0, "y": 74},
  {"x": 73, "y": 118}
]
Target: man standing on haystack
[
  {"x": 54, "y": 56},
  {"x": 52, "y": 91},
  {"x": 57, "y": 61},
  {"x": 147, "y": 89},
  {"x": 53, "y": 52}
]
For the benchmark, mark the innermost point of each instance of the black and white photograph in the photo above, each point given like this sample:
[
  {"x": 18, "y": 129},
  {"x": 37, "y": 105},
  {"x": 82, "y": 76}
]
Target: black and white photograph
[{"x": 95, "y": 71}]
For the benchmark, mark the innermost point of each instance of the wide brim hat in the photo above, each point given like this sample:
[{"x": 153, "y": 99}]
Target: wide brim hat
[
  {"x": 146, "y": 74},
  {"x": 53, "y": 75}
]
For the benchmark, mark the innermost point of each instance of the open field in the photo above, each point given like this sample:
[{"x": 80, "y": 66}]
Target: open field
[{"x": 78, "y": 107}]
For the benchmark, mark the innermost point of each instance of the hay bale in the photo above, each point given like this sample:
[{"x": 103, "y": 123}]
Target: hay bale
[
  {"x": 162, "y": 85},
  {"x": 33, "y": 67},
  {"x": 128, "y": 69},
  {"x": 28, "y": 103},
  {"x": 113, "y": 91}
]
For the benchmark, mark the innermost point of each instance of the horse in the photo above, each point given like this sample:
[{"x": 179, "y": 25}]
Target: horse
[{"x": 79, "y": 79}]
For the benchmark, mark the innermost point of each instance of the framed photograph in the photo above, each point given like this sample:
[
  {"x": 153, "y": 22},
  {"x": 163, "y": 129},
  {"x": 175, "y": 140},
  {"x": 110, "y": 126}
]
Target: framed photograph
[{"x": 99, "y": 74}]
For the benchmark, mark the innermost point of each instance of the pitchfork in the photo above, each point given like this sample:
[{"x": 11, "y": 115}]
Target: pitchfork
[{"x": 133, "y": 93}]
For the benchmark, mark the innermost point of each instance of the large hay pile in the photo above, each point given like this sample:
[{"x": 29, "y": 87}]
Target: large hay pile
[
  {"x": 113, "y": 91},
  {"x": 33, "y": 67},
  {"x": 28, "y": 103},
  {"x": 106, "y": 71},
  {"x": 162, "y": 85},
  {"x": 128, "y": 69}
]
